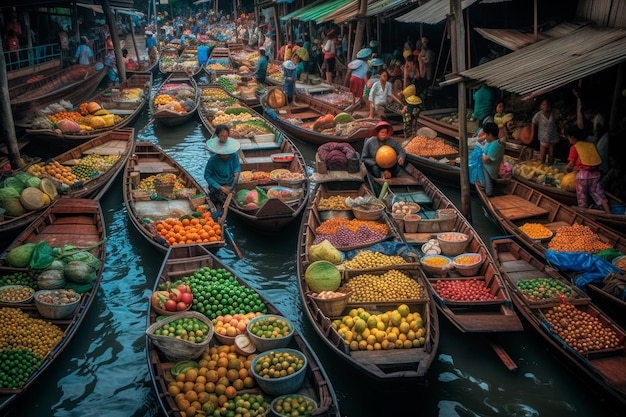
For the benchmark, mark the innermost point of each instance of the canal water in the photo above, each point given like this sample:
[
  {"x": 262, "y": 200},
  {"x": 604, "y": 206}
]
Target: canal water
[{"x": 104, "y": 371}]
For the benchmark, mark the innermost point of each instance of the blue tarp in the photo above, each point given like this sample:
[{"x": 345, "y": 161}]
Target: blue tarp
[{"x": 593, "y": 267}]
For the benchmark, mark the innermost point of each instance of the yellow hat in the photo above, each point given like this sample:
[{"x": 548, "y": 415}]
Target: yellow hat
[
  {"x": 407, "y": 53},
  {"x": 409, "y": 91},
  {"x": 414, "y": 100}
]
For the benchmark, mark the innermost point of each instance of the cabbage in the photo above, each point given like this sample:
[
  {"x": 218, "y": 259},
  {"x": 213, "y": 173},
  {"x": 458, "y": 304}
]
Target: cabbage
[
  {"x": 13, "y": 207},
  {"x": 28, "y": 180},
  {"x": 15, "y": 183},
  {"x": 8, "y": 192}
]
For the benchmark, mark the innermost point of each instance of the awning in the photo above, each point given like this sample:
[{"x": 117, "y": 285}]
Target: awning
[
  {"x": 201, "y": 1},
  {"x": 551, "y": 63},
  {"x": 95, "y": 7},
  {"x": 382, "y": 6},
  {"x": 514, "y": 39},
  {"x": 432, "y": 12},
  {"x": 318, "y": 10}
]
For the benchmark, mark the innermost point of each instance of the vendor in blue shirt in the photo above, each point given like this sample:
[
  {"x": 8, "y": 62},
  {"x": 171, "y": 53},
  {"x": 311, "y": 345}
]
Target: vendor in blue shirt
[
  {"x": 203, "y": 54},
  {"x": 222, "y": 169}
]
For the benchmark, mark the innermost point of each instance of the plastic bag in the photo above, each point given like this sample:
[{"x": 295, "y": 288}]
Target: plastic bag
[
  {"x": 475, "y": 165},
  {"x": 43, "y": 256}
]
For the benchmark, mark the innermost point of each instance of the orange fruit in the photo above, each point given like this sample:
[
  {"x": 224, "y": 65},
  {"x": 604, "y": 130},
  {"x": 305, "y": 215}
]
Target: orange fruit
[
  {"x": 220, "y": 389},
  {"x": 230, "y": 392}
]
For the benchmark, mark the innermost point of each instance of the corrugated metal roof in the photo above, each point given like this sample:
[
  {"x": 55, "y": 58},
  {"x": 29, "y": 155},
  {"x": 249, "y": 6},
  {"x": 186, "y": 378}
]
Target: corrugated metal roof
[
  {"x": 552, "y": 63},
  {"x": 318, "y": 10},
  {"x": 433, "y": 12},
  {"x": 514, "y": 39},
  {"x": 344, "y": 13},
  {"x": 381, "y": 6}
]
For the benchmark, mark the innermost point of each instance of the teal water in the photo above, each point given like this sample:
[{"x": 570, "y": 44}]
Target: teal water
[{"x": 105, "y": 372}]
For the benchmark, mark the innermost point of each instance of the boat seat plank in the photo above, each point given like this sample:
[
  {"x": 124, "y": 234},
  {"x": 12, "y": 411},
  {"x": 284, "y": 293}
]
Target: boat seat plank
[
  {"x": 259, "y": 160},
  {"x": 162, "y": 209},
  {"x": 152, "y": 166},
  {"x": 516, "y": 208},
  {"x": 248, "y": 145},
  {"x": 517, "y": 266},
  {"x": 489, "y": 322},
  {"x": 554, "y": 226},
  {"x": 614, "y": 369},
  {"x": 112, "y": 147},
  {"x": 301, "y": 115},
  {"x": 391, "y": 357}
]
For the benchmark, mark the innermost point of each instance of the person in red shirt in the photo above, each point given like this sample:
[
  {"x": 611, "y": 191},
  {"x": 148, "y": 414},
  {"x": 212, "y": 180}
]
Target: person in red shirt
[
  {"x": 13, "y": 44},
  {"x": 585, "y": 160}
]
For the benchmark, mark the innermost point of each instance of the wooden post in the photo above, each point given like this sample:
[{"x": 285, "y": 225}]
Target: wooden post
[
  {"x": 108, "y": 12},
  {"x": 6, "y": 118},
  {"x": 456, "y": 12},
  {"x": 132, "y": 35}
]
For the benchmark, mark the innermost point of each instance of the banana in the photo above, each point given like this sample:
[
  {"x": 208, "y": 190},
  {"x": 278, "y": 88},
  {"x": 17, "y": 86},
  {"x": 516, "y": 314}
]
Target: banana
[
  {"x": 101, "y": 112},
  {"x": 183, "y": 366}
]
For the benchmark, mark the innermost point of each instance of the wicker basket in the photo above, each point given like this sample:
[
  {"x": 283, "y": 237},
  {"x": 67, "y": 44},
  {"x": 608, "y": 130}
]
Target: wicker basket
[
  {"x": 141, "y": 195},
  {"x": 371, "y": 211},
  {"x": 197, "y": 200},
  {"x": 163, "y": 312},
  {"x": 333, "y": 307},
  {"x": 178, "y": 349},
  {"x": 163, "y": 188}
]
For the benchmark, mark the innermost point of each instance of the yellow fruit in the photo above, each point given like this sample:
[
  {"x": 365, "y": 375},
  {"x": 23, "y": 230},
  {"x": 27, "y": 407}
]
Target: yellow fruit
[{"x": 404, "y": 310}]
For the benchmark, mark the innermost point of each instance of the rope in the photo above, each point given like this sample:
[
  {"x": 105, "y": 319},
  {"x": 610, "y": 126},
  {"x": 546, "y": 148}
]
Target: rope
[{"x": 615, "y": 284}]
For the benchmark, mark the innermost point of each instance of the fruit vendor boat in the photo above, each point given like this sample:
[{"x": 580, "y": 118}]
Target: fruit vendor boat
[
  {"x": 114, "y": 108},
  {"x": 186, "y": 263},
  {"x": 94, "y": 164},
  {"x": 269, "y": 161},
  {"x": 74, "y": 84},
  {"x": 467, "y": 286},
  {"x": 346, "y": 323},
  {"x": 310, "y": 120},
  {"x": 166, "y": 106},
  {"x": 75, "y": 222},
  {"x": 242, "y": 86},
  {"x": 158, "y": 190},
  {"x": 586, "y": 340},
  {"x": 515, "y": 205},
  {"x": 144, "y": 65}
]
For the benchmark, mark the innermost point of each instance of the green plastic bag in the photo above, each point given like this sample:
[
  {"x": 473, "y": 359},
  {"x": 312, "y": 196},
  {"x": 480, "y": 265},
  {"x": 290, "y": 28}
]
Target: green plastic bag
[{"x": 43, "y": 256}]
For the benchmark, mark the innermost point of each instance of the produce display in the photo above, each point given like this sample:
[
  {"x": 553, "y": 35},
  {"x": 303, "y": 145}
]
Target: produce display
[
  {"x": 190, "y": 329},
  {"x": 233, "y": 325},
  {"x": 324, "y": 251},
  {"x": 389, "y": 286},
  {"x": 394, "y": 329},
  {"x": 58, "y": 297},
  {"x": 27, "y": 342},
  {"x": 278, "y": 364},
  {"x": 218, "y": 64},
  {"x": 370, "y": 259},
  {"x": 343, "y": 233},
  {"x": 335, "y": 202},
  {"x": 621, "y": 263},
  {"x": 577, "y": 238},
  {"x": 229, "y": 82},
  {"x": 580, "y": 330},
  {"x": 230, "y": 115},
  {"x": 270, "y": 327},
  {"x": 149, "y": 183},
  {"x": 328, "y": 295},
  {"x": 89, "y": 116},
  {"x": 173, "y": 299},
  {"x": 25, "y": 192},
  {"x": 15, "y": 293},
  {"x": 293, "y": 406},
  {"x": 463, "y": 290},
  {"x": 22, "y": 278},
  {"x": 535, "y": 171},
  {"x": 540, "y": 289},
  {"x": 536, "y": 231},
  {"x": 322, "y": 276},
  {"x": 185, "y": 230},
  {"x": 178, "y": 97},
  {"x": 339, "y": 100},
  {"x": 423, "y": 146},
  {"x": 404, "y": 207}
]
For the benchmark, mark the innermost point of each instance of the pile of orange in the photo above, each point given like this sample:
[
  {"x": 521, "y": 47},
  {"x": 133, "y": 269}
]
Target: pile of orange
[
  {"x": 189, "y": 230},
  {"x": 60, "y": 172}
]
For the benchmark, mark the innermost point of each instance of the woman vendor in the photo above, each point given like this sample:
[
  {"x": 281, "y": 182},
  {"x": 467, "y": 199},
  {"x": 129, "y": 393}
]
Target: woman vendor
[
  {"x": 382, "y": 136},
  {"x": 222, "y": 169}
]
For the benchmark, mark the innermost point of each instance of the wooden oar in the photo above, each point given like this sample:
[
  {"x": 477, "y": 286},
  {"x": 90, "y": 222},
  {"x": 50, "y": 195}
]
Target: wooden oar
[
  {"x": 227, "y": 233},
  {"x": 146, "y": 126}
]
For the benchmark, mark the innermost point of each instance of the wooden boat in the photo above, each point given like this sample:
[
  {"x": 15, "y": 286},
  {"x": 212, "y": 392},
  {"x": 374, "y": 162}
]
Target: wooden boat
[
  {"x": 182, "y": 262},
  {"x": 515, "y": 204},
  {"x": 604, "y": 367},
  {"x": 73, "y": 84},
  {"x": 76, "y": 222},
  {"x": 144, "y": 65},
  {"x": 168, "y": 59},
  {"x": 175, "y": 194},
  {"x": 178, "y": 86},
  {"x": 106, "y": 154},
  {"x": 438, "y": 215},
  {"x": 186, "y": 62},
  {"x": 124, "y": 101},
  {"x": 436, "y": 157},
  {"x": 268, "y": 159},
  {"x": 394, "y": 363},
  {"x": 297, "y": 120}
]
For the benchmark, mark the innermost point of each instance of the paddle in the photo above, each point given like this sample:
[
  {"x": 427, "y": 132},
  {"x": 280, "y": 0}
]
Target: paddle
[
  {"x": 146, "y": 126},
  {"x": 227, "y": 233}
]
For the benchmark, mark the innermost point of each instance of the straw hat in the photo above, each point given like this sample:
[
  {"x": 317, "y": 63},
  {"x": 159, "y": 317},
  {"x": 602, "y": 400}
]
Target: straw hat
[
  {"x": 414, "y": 100},
  {"x": 373, "y": 44},
  {"x": 409, "y": 91},
  {"x": 229, "y": 147},
  {"x": 364, "y": 53},
  {"x": 407, "y": 53},
  {"x": 376, "y": 62}
]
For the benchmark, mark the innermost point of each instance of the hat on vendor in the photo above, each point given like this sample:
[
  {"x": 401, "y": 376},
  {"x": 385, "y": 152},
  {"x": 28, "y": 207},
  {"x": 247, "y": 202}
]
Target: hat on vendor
[
  {"x": 149, "y": 33},
  {"x": 229, "y": 147},
  {"x": 381, "y": 125},
  {"x": 364, "y": 53},
  {"x": 376, "y": 62},
  {"x": 289, "y": 65},
  {"x": 414, "y": 100},
  {"x": 409, "y": 91}
]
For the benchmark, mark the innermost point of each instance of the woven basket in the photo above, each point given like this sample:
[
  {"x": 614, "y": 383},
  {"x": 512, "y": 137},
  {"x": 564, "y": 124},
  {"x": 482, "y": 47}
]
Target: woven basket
[
  {"x": 333, "y": 307},
  {"x": 164, "y": 188},
  {"x": 197, "y": 200},
  {"x": 369, "y": 212},
  {"x": 178, "y": 349}
]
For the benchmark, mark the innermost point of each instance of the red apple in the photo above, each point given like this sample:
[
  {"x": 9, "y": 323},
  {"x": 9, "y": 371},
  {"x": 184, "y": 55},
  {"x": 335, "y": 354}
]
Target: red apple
[
  {"x": 186, "y": 298},
  {"x": 182, "y": 288},
  {"x": 180, "y": 306},
  {"x": 175, "y": 294},
  {"x": 170, "y": 305}
]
